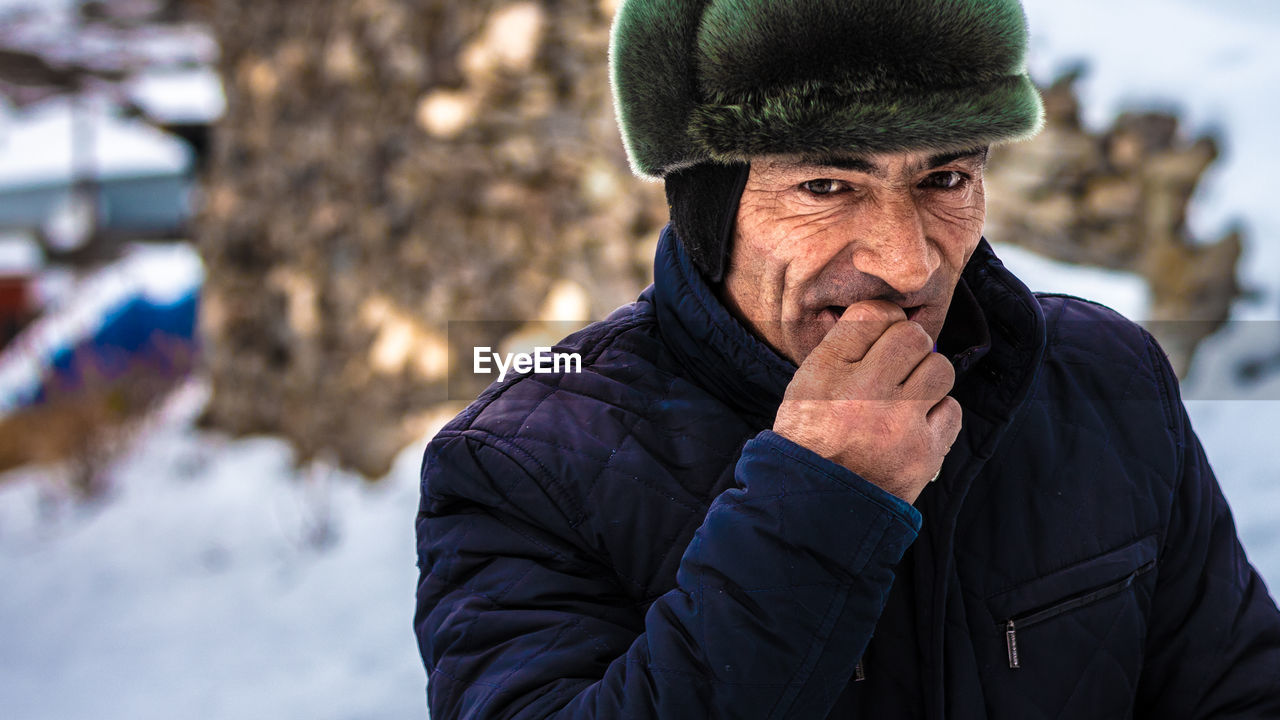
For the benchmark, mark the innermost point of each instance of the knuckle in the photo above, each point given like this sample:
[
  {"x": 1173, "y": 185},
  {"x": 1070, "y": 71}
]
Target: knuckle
[
  {"x": 954, "y": 415},
  {"x": 912, "y": 337},
  {"x": 862, "y": 312},
  {"x": 901, "y": 338},
  {"x": 941, "y": 368},
  {"x": 933, "y": 379}
]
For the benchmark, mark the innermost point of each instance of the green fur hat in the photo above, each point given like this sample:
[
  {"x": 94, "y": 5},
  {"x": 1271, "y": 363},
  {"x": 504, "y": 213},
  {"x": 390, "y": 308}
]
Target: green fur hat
[{"x": 726, "y": 80}]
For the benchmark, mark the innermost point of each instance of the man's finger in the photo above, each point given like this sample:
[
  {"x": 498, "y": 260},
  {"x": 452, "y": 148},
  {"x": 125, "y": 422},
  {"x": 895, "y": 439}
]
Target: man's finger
[
  {"x": 944, "y": 420},
  {"x": 858, "y": 329},
  {"x": 897, "y": 352},
  {"x": 932, "y": 378}
]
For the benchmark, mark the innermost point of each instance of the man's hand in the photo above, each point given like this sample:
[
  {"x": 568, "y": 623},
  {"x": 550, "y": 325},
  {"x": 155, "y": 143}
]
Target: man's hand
[{"x": 872, "y": 396}]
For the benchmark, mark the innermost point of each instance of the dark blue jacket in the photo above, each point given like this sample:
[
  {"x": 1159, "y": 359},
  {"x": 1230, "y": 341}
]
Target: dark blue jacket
[{"x": 632, "y": 541}]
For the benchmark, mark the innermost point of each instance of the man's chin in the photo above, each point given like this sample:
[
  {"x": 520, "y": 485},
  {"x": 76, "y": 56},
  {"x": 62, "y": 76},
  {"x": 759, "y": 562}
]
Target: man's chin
[
  {"x": 928, "y": 318},
  {"x": 804, "y": 336}
]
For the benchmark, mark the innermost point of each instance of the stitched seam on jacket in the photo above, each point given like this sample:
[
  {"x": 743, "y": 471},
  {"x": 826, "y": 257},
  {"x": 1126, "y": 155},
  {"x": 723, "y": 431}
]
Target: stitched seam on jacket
[
  {"x": 1099, "y": 432},
  {"x": 704, "y": 679},
  {"x": 497, "y": 444},
  {"x": 696, "y": 512},
  {"x": 872, "y": 538},
  {"x": 574, "y": 515},
  {"x": 813, "y": 654},
  {"x": 1080, "y": 684},
  {"x": 1163, "y": 382},
  {"x": 863, "y": 550},
  {"x": 458, "y": 680},
  {"x": 607, "y": 463},
  {"x": 545, "y": 381},
  {"x": 697, "y": 516},
  {"x": 632, "y": 416},
  {"x": 1073, "y": 563},
  {"x": 530, "y": 656},
  {"x": 558, "y": 390},
  {"x": 492, "y": 393},
  {"x": 598, "y": 616}
]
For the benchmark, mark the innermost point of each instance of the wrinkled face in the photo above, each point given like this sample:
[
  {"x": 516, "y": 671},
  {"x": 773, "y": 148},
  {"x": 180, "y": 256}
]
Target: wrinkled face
[{"x": 815, "y": 236}]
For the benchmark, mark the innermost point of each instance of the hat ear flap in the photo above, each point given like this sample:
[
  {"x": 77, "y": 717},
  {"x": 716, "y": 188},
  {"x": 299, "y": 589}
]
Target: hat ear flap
[{"x": 704, "y": 200}]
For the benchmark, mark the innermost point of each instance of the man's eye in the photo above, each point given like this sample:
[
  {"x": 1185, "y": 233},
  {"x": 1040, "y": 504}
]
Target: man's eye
[
  {"x": 945, "y": 180},
  {"x": 821, "y": 187}
]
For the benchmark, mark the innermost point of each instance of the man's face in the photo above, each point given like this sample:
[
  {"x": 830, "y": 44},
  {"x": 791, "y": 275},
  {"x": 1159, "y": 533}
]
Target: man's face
[{"x": 815, "y": 236}]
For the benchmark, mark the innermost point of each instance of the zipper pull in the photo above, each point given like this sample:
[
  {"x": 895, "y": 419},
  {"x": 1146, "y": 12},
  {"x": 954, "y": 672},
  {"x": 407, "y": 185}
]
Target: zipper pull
[
  {"x": 1011, "y": 639},
  {"x": 859, "y": 674}
]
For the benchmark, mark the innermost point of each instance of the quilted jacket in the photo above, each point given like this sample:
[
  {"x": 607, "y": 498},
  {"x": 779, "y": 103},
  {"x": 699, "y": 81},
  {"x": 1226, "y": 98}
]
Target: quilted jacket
[{"x": 632, "y": 541}]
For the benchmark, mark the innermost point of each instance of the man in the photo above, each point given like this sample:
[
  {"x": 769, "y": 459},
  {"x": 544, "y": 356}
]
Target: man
[{"x": 836, "y": 461}]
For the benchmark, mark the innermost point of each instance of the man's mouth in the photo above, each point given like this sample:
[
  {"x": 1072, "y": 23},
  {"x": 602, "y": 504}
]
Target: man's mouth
[{"x": 837, "y": 310}]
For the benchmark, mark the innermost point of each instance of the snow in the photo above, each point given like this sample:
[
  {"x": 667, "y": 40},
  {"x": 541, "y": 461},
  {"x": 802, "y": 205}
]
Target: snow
[
  {"x": 54, "y": 10},
  {"x": 35, "y": 145},
  {"x": 19, "y": 255},
  {"x": 197, "y": 586},
  {"x": 1126, "y": 293},
  {"x": 163, "y": 274},
  {"x": 179, "y": 86},
  {"x": 180, "y": 96},
  {"x": 1218, "y": 65},
  {"x": 52, "y": 29}
]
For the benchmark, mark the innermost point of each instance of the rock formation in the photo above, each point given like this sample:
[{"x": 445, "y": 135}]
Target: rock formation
[
  {"x": 386, "y": 168},
  {"x": 1118, "y": 200}
]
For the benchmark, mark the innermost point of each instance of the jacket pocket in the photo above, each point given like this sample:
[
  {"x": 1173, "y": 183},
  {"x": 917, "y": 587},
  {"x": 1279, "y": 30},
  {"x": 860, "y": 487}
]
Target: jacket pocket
[{"x": 1071, "y": 588}]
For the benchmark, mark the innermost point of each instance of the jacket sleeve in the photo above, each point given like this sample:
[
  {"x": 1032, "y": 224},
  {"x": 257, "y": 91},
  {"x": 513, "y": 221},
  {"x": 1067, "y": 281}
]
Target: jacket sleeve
[
  {"x": 1213, "y": 644},
  {"x": 776, "y": 598}
]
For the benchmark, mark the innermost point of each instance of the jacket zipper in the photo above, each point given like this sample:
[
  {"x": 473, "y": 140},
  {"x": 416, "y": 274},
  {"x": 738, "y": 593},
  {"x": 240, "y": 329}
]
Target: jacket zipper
[{"x": 1012, "y": 625}]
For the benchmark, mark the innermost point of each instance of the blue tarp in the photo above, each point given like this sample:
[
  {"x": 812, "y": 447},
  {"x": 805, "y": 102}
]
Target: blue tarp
[{"x": 159, "y": 338}]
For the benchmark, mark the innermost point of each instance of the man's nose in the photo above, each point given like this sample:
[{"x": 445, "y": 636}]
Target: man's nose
[{"x": 894, "y": 248}]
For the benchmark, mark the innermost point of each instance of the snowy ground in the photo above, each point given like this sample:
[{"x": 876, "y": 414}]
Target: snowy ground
[{"x": 204, "y": 587}]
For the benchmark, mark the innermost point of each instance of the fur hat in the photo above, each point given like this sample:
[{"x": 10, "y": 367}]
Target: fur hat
[{"x": 726, "y": 80}]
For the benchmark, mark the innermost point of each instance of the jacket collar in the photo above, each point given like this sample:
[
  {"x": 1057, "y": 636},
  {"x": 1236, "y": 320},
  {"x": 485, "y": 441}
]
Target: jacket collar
[
  {"x": 1007, "y": 364},
  {"x": 718, "y": 351},
  {"x": 994, "y": 326}
]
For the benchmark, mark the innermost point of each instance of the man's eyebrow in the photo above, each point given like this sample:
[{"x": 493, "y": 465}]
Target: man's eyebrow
[
  {"x": 856, "y": 163},
  {"x": 841, "y": 162},
  {"x": 943, "y": 158}
]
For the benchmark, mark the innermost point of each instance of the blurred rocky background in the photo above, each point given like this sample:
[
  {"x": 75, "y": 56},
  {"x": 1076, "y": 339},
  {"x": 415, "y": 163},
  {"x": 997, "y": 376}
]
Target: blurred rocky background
[
  {"x": 1118, "y": 199},
  {"x": 386, "y": 167}
]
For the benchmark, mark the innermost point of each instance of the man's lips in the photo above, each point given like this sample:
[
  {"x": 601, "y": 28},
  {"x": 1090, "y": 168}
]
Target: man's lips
[{"x": 835, "y": 311}]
